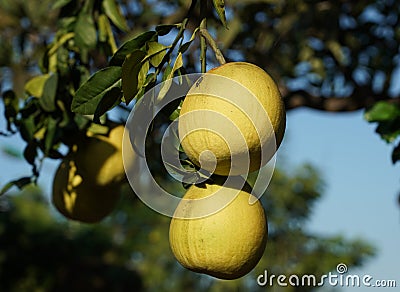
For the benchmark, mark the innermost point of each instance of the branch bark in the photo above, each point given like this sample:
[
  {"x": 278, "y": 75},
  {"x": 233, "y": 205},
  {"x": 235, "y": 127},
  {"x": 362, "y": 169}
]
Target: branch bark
[{"x": 357, "y": 101}]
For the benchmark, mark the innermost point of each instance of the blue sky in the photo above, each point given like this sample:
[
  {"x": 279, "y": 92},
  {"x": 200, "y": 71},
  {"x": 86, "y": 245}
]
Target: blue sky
[{"x": 360, "y": 199}]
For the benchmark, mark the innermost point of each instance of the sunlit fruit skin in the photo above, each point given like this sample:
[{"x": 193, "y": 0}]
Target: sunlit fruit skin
[
  {"x": 208, "y": 94},
  {"x": 227, "y": 244},
  {"x": 99, "y": 158},
  {"x": 79, "y": 199}
]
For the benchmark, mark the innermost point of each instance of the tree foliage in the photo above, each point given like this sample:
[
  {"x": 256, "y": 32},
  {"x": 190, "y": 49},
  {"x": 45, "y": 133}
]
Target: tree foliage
[
  {"x": 66, "y": 65},
  {"x": 87, "y": 57}
]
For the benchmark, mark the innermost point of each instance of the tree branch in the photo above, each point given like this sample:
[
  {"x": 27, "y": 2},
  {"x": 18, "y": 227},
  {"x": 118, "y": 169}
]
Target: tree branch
[
  {"x": 218, "y": 54},
  {"x": 357, "y": 101}
]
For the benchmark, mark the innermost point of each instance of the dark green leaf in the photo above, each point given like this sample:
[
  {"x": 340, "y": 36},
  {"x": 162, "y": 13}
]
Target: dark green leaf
[
  {"x": 27, "y": 128},
  {"x": 47, "y": 100},
  {"x": 396, "y": 154},
  {"x": 175, "y": 114},
  {"x": 54, "y": 154},
  {"x": 220, "y": 8},
  {"x": 20, "y": 183},
  {"x": 81, "y": 121},
  {"x": 91, "y": 92},
  {"x": 111, "y": 99},
  {"x": 132, "y": 74},
  {"x": 11, "y": 107},
  {"x": 30, "y": 152},
  {"x": 114, "y": 13},
  {"x": 186, "y": 45},
  {"x": 389, "y": 130},
  {"x": 130, "y": 46},
  {"x": 85, "y": 31},
  {"x": 164, "y": 29},
  {"x": 382, "y": 111},
  {"x": 6, "y": 187},
  {"x": 50, "y": 135}
]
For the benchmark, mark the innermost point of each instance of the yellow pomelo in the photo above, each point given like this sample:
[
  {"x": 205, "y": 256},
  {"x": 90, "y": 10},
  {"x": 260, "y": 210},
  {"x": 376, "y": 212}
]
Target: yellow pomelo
[
  {"x": 232, "y": 119},
  {"x": 99, "y": 158},
  {"x": 80, "y": 199},
  {"x": 226, "y": 244}
]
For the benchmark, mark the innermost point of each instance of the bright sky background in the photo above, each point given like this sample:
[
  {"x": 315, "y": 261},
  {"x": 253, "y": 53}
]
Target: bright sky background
[{"x": 360, "y": 199}]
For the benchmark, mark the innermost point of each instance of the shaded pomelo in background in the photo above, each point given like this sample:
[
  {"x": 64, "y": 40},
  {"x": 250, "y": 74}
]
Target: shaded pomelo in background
[
  {"x": 235, "y": 114},
  {"x": 99, "y": 157},
  {"x": 78, "y": 198},
  {"x": 226, "y": 244}
]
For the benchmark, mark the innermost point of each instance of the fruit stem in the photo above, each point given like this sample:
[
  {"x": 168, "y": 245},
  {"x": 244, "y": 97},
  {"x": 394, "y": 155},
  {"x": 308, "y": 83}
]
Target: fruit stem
[
  {"x": 218, "y": 54},
  {"x": 203, "y": 44}
]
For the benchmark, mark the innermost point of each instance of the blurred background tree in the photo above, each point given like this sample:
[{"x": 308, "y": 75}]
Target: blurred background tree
[
  {"x": 328, "y": 55},
  {"x": 129, "y": 251}
]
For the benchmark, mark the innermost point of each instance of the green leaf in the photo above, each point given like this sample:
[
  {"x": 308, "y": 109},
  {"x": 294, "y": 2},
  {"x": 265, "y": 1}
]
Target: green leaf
[
  {"x": 85, "y": 31},
  {"x": 91, "y": 92},
  {"x": 102, "y": 23},
  {"x": 35, "y": 86},
  {"x": 106, "y": 35},
  {"x": 27, "y": 128},
  {"x": 382, "y": 111},
  {"x": 130, "y": 46},
  {"x": 396, "y": 154},
  {"x": 11, "y": 108},
  {"x": 50, "y": 135},
  {"x": 168, "y": 75},
  {"x": 60, "y": 3},
  {"x": 389, "y": 130},
  {"x": 47, "y": 100},
  {"x": 113, "y": 12},
  {"x": 110, "y": 99},
  {"x": 132, "y": 74},
  {"x": 98, "y": 129},
  {"x": 164, "y": 29},
  {"x": 156, "y": 52},
  {"x": 186, "y": 45},
  {"x": 30, "y": 152},
  {"x": 20, "y": 183},
  {"x": 175, "y": 114},
  {"x": 220, "y": 8},
  {"x": 60, "y": 42}
]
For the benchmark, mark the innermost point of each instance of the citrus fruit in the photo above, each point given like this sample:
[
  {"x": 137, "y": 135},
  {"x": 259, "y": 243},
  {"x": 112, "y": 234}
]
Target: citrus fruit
[
  {"x": 226, "y": 244},
  {"x": 99, "y": 157},
  {"x": 80, "y": 199},
  {"x": 232, "y": 120}
]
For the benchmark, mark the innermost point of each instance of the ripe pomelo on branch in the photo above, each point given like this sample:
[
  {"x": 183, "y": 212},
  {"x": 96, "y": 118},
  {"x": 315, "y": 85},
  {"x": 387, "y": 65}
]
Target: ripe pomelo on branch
[
  {"x": 232, "y": 120},
  {"x": 226, "y": 244}
]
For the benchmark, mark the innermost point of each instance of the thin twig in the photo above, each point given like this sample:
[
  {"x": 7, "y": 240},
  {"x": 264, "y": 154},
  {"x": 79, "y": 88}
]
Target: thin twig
[
  {"x": 173, "y": 45},
  {"x": 218, "y": 54},
  {"x": 203, "y": 44}
]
